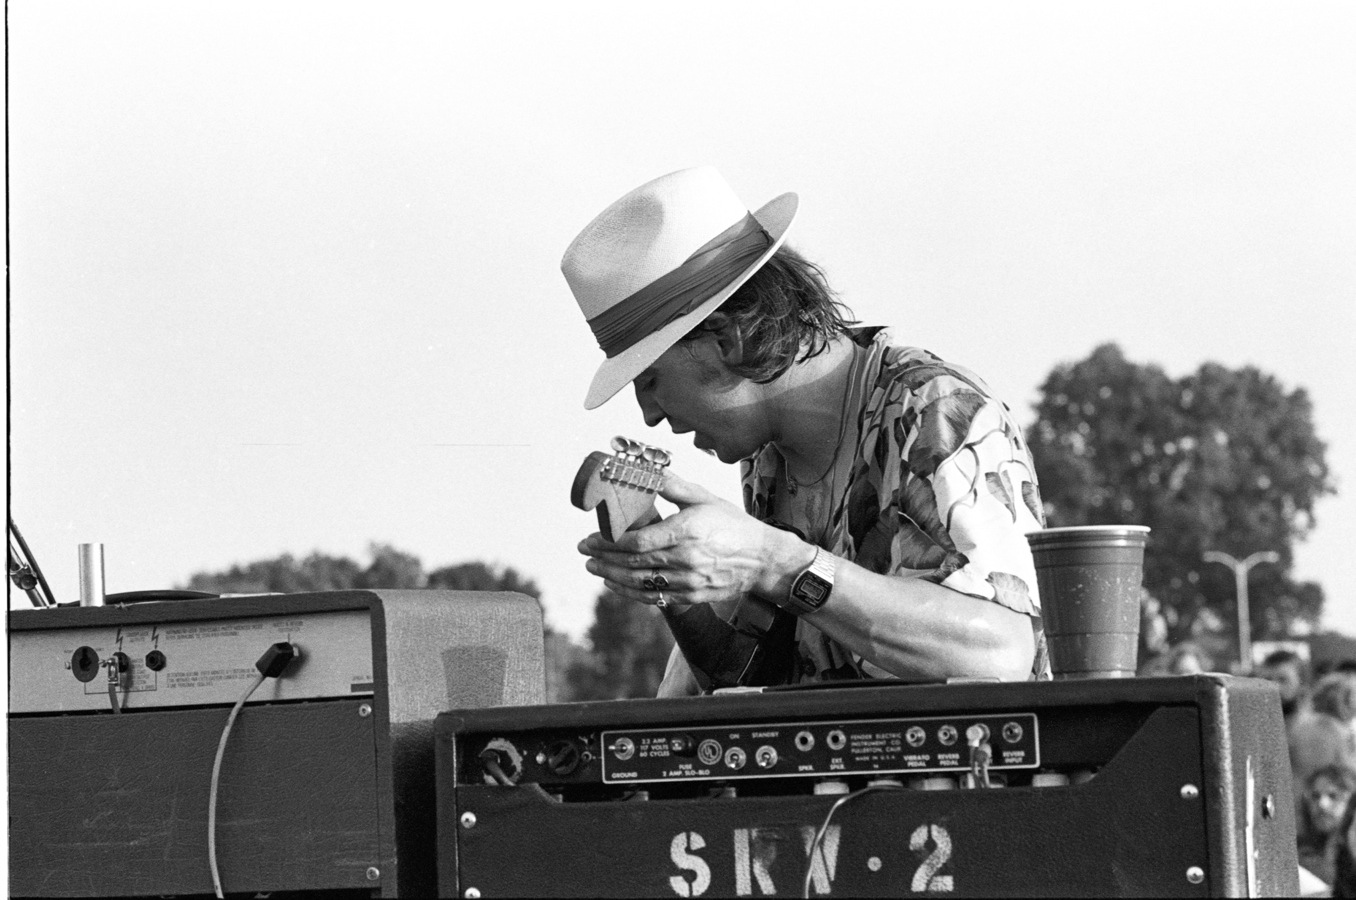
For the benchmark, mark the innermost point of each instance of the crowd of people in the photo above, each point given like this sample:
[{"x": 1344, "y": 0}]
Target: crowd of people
[
  {"x": 1320, "y": 720},
  {"x": 1319, "y": 707}
]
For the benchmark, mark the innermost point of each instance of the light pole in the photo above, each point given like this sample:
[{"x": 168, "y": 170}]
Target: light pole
[{"x": 1241, "y": 568}]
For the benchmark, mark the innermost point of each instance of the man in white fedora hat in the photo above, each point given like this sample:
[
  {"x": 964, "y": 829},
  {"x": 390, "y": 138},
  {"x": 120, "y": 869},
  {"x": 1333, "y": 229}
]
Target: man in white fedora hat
[{"x": 886, "y": 493}]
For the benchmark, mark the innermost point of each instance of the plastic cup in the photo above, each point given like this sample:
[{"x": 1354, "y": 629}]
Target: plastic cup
[{"x": 1089, "y": 579}]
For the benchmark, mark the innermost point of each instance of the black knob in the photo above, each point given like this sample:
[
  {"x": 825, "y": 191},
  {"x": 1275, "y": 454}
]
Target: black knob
[
  {"x": 562, "y": 757},
  {"x": 85, "y": 663}
]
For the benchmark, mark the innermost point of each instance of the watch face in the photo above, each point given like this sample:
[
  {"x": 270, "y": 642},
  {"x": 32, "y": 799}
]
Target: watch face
[{"x": 812, "y": 589}]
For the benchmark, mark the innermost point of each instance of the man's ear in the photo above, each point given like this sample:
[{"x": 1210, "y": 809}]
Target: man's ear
[{"x": 729, "y": 340}]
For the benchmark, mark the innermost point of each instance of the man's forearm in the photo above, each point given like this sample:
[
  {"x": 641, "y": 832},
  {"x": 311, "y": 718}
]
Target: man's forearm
[{"x": 909, "y": 626}]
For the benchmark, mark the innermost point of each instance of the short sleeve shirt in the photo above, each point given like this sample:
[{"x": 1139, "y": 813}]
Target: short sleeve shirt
[{"x": 940, "y": 487}]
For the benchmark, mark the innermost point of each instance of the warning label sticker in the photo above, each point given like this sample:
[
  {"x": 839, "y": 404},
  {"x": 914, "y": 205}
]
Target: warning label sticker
[{"x": 208, "y": 677}]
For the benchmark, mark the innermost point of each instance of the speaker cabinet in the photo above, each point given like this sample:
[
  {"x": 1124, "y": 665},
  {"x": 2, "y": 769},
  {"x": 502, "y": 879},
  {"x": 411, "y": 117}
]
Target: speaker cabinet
[
  {"x": 1117, "y": 788},
  {"x": 327, "y": 781}
]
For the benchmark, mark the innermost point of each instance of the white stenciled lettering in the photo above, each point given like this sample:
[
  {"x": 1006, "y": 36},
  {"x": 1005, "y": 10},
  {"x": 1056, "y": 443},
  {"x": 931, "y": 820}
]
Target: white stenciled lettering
[
  {"x": 682, "y": 851},
  {"x": 825, "y": 861},
  {"x": 755, "y": 851},
  {"x": 926, "y": 878}
]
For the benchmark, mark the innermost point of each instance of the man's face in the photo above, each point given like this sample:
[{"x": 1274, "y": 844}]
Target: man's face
[{"x": 692, "y": 388}]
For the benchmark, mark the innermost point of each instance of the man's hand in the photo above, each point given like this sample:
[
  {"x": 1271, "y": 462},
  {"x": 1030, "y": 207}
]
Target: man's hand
[{"x": 709, "y": 551}]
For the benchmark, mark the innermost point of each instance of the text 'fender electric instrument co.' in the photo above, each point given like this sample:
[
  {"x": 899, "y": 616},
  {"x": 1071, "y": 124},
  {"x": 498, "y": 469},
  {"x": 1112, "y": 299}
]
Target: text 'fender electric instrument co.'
[{"x": 756, "y": 647}]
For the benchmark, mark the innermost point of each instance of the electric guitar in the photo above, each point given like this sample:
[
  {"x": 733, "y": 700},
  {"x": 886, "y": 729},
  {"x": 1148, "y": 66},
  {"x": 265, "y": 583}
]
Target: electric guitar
[{"x": 756, "y": 647}]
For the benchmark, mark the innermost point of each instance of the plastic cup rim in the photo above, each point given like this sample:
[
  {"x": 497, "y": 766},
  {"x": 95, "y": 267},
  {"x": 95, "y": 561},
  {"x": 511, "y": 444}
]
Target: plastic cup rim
[{"x": 1067, "y": 529}]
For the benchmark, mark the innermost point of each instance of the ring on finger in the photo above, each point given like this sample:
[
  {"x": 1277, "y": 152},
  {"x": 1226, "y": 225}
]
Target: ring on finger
[
  {"x": 660, "y": 582},
  {"x": 648, "y": 584}
]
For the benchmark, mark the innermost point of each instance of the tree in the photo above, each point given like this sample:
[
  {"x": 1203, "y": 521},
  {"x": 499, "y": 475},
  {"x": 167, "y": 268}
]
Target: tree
[
  {"x": 284, "y": 575},
  {"x": 478, "y": 576},
  {"x": 1221, "y": 459},
  {"x": 391, "y": 569},
  {"x": 630, "y": 644}
]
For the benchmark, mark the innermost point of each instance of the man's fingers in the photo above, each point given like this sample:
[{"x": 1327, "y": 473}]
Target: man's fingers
[
  {"x": 683, "y": 493},
  {"x": 666, "y": 560},
  {"x": 662, "y": 576}
]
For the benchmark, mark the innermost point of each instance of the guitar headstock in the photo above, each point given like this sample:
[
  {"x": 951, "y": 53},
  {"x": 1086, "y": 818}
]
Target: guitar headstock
[{"x": 622, "y": 486}]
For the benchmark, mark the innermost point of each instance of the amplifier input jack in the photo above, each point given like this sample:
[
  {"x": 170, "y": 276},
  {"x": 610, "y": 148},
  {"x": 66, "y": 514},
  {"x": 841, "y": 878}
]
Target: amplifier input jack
[
  {"x": 155, "y": 660},
  {"x": 836, "y": 740},
  {"x": 805, "y": 741}
]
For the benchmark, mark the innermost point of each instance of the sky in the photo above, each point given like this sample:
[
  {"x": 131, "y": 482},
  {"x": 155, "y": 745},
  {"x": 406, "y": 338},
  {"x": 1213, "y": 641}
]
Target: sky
[{"x": 284, "y": 277}]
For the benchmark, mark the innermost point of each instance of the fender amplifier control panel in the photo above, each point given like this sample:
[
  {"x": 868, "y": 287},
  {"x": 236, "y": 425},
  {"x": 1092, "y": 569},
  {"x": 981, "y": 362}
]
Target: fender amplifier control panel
[{"x": 812, "y": 749}]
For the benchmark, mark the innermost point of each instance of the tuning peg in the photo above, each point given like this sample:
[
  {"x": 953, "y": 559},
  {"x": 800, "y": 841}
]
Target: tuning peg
[{"x": 657, "y": 457}]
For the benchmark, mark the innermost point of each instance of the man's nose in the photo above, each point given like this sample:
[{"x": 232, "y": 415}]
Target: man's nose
[{"x": 648, "y": 408}]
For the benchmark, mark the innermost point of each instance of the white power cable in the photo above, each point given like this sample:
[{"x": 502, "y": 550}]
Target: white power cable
[{"x": 216, "y": 777}]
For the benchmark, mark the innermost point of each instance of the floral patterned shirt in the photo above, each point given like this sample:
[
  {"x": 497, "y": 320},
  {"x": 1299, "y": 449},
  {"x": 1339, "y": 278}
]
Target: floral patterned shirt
[{"x": 941, "y": 487}]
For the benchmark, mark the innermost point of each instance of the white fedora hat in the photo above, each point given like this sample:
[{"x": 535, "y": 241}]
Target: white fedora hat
[{"x": 654, "y": 264}]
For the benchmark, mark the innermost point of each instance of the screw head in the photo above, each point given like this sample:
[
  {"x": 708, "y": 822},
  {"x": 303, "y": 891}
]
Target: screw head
[
  {"x": 365, "y": 710},
  {"x": 373, "y": 873},
  {"x": 472, "y": 893},
  {"x": 1190, "y": 792},
  {"x": 468, "y": 820},
  {"x": 1195, "y": 874}
]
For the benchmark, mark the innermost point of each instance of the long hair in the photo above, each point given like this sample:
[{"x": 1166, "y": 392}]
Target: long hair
[
  {"x": 785, "y": 306},
  {"x": 1307, "y": 832}
]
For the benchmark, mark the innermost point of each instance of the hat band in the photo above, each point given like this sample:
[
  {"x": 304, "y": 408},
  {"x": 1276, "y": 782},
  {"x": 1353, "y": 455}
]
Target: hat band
[{"x": 714, "y": 265}]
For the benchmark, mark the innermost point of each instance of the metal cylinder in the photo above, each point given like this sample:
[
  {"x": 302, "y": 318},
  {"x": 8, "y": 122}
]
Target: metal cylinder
[{"x": 91, "y": 574}]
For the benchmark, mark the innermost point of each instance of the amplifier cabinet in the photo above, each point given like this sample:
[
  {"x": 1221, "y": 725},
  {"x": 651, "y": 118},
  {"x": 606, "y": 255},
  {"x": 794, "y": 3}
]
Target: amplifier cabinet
[
  {"x": 327, "y": 781},
  {"x": 1172, "y": 786}
]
